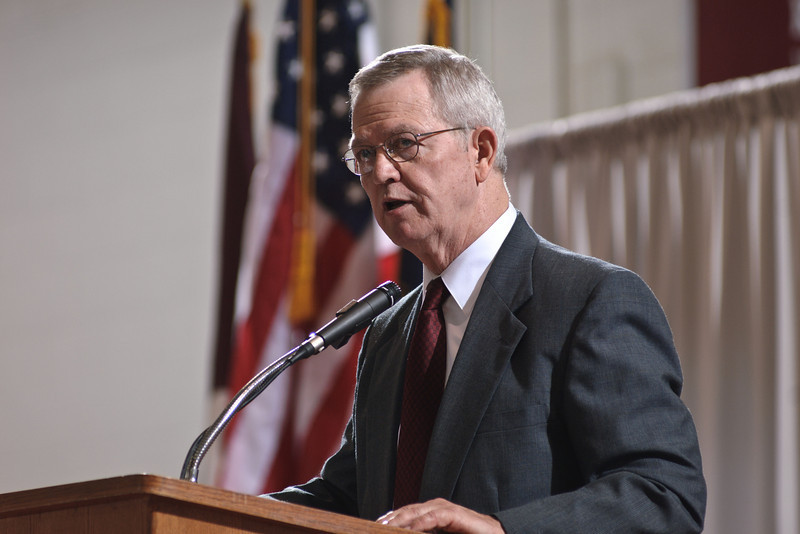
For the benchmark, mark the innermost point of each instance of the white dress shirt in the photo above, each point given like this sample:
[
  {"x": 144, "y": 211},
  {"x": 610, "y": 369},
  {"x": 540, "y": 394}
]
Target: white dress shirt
[{"x": 464, "y": 278}]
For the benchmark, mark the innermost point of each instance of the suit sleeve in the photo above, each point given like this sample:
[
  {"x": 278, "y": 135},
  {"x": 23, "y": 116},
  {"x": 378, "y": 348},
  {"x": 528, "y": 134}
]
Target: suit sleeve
[
  {"x": 633, "y": 439},
  {"x": 334, "y": 489}
]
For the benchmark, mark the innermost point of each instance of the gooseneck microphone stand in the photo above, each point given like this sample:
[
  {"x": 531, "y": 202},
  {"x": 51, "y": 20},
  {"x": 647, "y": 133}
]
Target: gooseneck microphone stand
[{"x": 355, "y": 316}]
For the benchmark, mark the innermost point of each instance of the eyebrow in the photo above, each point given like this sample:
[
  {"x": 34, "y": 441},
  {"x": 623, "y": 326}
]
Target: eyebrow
[{"x": 394, "y": 131}]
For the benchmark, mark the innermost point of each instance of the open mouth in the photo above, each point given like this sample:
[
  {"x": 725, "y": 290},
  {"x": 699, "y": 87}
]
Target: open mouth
[{"x": 393, "y": 204}]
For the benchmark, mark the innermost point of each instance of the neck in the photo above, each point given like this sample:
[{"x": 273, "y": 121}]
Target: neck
[{"x": 438, "y": 256}]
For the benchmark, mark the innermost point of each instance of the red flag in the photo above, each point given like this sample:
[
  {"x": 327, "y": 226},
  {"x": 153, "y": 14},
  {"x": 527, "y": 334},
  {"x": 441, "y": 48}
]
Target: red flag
[
  {"x": 309, "y": 249},
  {"x": 239, "y": 163}
]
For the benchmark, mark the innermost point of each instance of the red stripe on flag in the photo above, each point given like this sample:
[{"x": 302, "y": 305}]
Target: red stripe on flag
[
  {"x": 389, "y": 266},
  {"x": 324, "y": 435},
  {"x": 332, "y": 254},
  {"x": 283, "y": 469},
  {"x": 271, "y": 281}
]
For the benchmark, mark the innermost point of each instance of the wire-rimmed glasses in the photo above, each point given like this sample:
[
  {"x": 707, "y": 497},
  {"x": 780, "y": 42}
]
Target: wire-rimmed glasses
[{"x": 400, "y": 147}]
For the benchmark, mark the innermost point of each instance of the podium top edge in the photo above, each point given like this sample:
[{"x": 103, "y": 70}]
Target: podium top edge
[{"x": 188, "y": 494}]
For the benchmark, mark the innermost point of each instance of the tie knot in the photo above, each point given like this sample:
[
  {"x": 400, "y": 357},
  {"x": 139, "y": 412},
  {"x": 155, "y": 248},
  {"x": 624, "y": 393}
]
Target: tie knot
[{"x": 435, "y": 294}]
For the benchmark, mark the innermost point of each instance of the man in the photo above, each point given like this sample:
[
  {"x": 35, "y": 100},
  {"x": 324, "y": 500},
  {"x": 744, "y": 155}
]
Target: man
[{"x": 561, "y": 409}]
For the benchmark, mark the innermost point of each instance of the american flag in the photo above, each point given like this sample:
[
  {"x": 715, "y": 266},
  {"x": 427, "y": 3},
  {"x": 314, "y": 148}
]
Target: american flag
[{"x": 284, "y": 436}]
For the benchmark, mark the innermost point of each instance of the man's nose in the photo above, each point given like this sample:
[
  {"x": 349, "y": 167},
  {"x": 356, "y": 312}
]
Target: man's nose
[{"x": 386, "y": 169}]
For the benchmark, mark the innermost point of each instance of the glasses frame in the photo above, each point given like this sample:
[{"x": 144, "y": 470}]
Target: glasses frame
[{"x": 351, "y": 162}]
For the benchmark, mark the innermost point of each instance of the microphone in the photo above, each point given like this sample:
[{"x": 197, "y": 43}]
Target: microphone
[{"x": 353, "y": 317}]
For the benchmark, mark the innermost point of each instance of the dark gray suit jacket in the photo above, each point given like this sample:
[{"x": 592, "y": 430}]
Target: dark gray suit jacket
[{"x": 561, "y": 413}]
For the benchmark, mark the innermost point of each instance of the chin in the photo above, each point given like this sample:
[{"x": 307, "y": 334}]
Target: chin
[
  {"x": 397, "y": 234},
  {"x": 404, "y": 231}
]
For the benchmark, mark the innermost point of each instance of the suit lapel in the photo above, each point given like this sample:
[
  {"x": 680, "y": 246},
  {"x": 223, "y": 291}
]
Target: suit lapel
[{"x": 489, "y": 341}]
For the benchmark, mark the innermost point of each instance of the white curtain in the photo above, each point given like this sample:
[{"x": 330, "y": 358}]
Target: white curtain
[{"x": 699, "y": 192}]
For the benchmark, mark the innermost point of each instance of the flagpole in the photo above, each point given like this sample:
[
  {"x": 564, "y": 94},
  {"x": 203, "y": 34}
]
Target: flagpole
[{"x": 303, "y": 260}]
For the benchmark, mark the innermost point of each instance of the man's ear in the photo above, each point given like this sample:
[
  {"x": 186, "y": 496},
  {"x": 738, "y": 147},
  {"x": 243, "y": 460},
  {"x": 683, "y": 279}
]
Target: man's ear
[{"x": 484, "y": 139}]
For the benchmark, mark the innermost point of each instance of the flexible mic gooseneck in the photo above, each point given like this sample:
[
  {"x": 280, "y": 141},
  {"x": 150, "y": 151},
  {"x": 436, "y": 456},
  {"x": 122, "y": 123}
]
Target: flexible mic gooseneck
[{"x": 353, "y": 317}]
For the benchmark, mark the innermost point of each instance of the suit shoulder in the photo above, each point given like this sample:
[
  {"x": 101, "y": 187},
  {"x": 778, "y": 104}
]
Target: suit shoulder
[
  {"x": 566, "y": 271},
  {"x": 529, "y": 265},
  {"x": 559, "y": 260}
]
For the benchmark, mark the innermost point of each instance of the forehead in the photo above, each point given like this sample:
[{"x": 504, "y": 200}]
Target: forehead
[{"x": 403, "y": 104}]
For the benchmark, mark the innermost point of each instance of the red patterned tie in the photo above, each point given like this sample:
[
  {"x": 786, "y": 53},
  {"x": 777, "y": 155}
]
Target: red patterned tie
[{"x": 422, "y": 392}]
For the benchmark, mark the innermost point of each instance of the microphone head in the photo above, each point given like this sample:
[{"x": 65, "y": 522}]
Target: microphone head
[
  {"x": 357, "y": 314},
  {"x": 392, "y": 291}
]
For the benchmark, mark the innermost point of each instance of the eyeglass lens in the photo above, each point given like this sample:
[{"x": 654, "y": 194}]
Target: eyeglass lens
[{"x": 399, "y": 147}]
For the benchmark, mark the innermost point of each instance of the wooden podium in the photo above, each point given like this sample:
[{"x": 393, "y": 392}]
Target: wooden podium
[{"x": 139, "y": 504}]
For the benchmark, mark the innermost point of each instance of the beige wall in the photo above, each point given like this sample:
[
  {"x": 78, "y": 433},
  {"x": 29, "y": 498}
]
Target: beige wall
[{"x": 111, "y": 132}]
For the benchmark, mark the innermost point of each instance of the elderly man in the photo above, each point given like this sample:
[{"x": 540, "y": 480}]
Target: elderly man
[{"x": 523, "y": 387}]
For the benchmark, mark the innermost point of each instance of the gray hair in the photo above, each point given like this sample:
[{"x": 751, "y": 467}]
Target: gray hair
[{"x": 461, "y": 92}]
